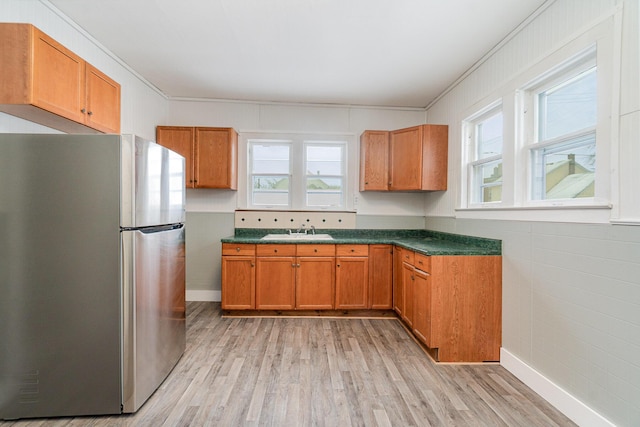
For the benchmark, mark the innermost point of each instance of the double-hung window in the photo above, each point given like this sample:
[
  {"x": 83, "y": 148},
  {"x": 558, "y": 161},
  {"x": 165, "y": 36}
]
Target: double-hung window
[
  {"x": 270, "y": 173},
  {"x": 301, "y": 173},
  {"x": 562, "y": 152},
  {"x": 485, "y": 138}
]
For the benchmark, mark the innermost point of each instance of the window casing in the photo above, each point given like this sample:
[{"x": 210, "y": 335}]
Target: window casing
[{"x": 297, "y": 173}]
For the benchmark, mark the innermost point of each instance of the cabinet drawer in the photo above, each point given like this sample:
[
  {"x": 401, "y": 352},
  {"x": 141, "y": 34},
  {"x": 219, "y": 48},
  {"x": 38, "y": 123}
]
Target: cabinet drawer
[
  {"x": 352, "y": 250},
  {"x": 316, "y": 250},
  {"x": 276, "y": 250},
  {"x": 422, "y": 262},
  {"x": 408, "y": 256},
  {"x": 238, "y": 249}
]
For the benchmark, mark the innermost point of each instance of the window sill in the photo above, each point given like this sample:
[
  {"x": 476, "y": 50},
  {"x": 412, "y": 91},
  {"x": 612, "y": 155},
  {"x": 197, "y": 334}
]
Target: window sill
[{"x": 591, "y": 213}]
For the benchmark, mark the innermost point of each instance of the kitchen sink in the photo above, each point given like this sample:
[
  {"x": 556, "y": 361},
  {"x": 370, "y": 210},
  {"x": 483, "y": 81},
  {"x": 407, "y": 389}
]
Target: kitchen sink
[{"x": 297, "y": 237}]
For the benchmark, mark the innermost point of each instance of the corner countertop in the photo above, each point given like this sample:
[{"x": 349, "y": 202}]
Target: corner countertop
[{"x": 422, "y": 241}]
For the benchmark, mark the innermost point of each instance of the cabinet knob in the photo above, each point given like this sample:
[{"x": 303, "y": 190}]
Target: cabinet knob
[
  {"x": 315, "y": 250},
  {"x": 275, "y": 250},
  {"x": 83, "y": 111},
  {"x": 337, "y": 265},
  {"x": 90, "y": 113},
  {"x": 237, "y": 249},
  {"x": 353, "y": 250},
  {"x": 253, "y": 264}
]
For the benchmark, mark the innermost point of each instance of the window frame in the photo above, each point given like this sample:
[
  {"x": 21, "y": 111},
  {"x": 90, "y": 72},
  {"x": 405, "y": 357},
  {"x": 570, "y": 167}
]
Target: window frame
[
  {"x": 298, "y": 177},
  {"x": 528, "y": 98},
  {"x": 474, "y": 185}
]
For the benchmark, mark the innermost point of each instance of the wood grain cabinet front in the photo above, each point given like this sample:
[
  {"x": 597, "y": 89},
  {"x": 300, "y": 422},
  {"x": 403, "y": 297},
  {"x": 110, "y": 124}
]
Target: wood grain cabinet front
[
  {"x": 381, "y": 277},
  {"x": 44, "y": 82},
  {"x": 409, "y": 159},
  {"x": 211, "y": 154},
  {"x": 453, "y": 305},
  {"x": 352, "y": 277},
  {"x": 238, "y": 276}
]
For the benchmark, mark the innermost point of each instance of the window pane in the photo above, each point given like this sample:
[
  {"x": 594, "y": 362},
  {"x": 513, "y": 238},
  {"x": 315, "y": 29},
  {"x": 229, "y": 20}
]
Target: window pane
[
  {"x": 568, "y": 107},
  {"x": 270, "y": 190},
  {"x": 566, "y": 171},
  {"x": 270, "y": 158},
  {"x": 323, "y": 160},
  {"x": 489, "y": 137},
  {"x": 324, "y": 192},
  {"x": 488, "y": 178}
]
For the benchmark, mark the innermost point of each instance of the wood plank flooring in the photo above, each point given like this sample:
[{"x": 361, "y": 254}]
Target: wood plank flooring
[{"x": 322, "y": 372}]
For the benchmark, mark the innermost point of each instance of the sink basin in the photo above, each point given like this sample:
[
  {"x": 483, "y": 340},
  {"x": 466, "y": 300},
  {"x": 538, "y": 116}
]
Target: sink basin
[{"x": 297, "y": 237}]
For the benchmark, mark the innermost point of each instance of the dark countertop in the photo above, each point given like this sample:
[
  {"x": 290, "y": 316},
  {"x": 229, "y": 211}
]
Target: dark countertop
[{"x": 423, "y": 241}]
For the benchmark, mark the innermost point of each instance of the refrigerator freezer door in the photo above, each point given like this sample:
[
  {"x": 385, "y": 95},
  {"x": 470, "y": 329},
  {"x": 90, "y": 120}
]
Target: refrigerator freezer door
[
  {"x": 154, "y": 310},
  {"x": 60, "y": 343},
  {"x": 153, "y": 191}
]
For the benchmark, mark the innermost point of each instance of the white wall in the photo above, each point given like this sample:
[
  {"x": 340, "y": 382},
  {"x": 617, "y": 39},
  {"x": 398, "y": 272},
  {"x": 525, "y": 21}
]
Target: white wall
[{"x": 571, "y": 284}]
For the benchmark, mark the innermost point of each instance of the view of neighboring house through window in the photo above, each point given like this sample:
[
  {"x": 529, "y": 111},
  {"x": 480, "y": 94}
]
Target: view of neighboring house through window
[
  {"x": 297, "y": 174},
  {"x": 563, "y": 154},
  {"x": 324, "y": 175},
  {"x": 270, "y": 173},
  {"x": 485, "y": 167}
]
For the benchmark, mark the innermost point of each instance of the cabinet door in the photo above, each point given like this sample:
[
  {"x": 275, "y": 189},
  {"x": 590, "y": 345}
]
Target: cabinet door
[
  {"x": 422, "y": 307},
  {"x": 315, "y": 283},
  {"x": 216, "y": 152},
  {"x": 398, "y": 300},
  {"x": 58, "y": 78},
  {"x": 181, "y": 140},
  {"x": 408, "y": 278},
  {"x": 238, "y": 283},
  {"x": 380, "y": 277},
  {"x": 103, "y": 101},
  {"x": 275, "y": 283},
  {"x": 405, "y": 151},
  {"x": 435, "y": 145},
  {"x": 374, "y": 161},
  {"x": 352, "y": 282}
]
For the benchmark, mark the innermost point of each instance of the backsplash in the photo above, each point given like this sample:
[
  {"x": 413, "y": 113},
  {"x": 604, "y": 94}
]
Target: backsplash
[{"x": 294, "y": 219}]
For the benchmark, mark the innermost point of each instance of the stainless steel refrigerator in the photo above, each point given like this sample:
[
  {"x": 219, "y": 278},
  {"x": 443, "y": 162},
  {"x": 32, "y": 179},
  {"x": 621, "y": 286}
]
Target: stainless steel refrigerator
[{"x": 92, "y": 273}]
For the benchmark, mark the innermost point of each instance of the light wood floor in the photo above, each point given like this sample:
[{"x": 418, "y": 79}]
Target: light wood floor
[{"x": 322, "y": 372}]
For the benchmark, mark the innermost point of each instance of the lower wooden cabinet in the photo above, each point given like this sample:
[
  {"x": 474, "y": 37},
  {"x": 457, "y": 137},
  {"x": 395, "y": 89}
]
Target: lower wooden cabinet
[
  {"x": 453, "y": 304},
  {"x": 381, "y": 277},
  {"x": 352, "y": 277},
  {"x": 238, "y": 277},
  {"x": 275, "y": 277},
  {"x": 315, "y": 277}
]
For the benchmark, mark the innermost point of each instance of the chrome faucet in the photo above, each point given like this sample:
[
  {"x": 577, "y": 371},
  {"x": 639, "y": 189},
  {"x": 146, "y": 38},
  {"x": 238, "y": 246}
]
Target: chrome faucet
[
  {"x": 300, "y": 229},
  {"x": 313, "y": 229}
]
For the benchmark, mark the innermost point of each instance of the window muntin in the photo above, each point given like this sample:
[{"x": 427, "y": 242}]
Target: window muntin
[
  {"x": 485, "y": 132},
  {"x": 563, "y": 156}
]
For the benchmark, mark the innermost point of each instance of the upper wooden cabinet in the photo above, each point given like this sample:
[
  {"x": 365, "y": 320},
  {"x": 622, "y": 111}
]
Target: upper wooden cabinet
[
  {"x": 418, "y": 158},
  {"x": 211, "y": 153},
  {"x": 410, "y": 159},
  {"x": 44, "y": 82},
  {"x": 374, "y": 160}
]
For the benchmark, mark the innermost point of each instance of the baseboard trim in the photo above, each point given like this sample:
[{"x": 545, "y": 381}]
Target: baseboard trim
[
  {"x": 193, "y": 295},
  {"x": 573, "y": 408}
]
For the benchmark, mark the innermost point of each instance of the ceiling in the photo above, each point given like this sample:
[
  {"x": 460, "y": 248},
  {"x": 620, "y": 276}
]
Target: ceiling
[{"x": 393, "y": 53}]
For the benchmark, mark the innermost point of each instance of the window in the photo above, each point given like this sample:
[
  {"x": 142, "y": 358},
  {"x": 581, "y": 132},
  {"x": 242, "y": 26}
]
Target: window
[
  {"x": 270, "y": 176},
  {"x": 302, "y": 173},
  {"x": 324, "y": 175},
  {"x": 563, "y": 152},
  {"x": 484, "y": 132}
]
